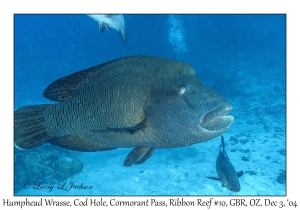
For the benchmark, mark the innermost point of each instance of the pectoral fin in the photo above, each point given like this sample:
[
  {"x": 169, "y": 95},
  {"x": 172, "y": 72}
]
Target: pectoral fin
[
  {"x": 146, "y": 156},
  {"x": 138, "y": 156},
  {"x": 130, "y": 130},
  {"x": 102, "y": 26},
  {"x": 240, "y": 173},
  {"x": 214, "y": 178}
]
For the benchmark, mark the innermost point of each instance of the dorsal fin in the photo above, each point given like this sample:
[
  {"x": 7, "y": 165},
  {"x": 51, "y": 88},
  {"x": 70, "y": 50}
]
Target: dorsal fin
[{"x": 65, "y": 87}]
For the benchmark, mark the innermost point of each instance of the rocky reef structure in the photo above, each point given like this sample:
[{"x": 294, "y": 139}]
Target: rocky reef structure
[{"x": 47, "y": 164}]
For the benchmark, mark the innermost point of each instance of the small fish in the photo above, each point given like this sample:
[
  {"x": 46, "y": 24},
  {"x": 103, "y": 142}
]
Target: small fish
[
  {"x": 140, "y": 102},
  {"x": 113, "y": 21},
  {"x": 226, "y": 172}
]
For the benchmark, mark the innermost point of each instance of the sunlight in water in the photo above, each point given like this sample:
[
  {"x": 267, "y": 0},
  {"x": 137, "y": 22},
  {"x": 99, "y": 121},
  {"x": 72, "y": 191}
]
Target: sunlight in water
[{"x": 177, "y": 35}]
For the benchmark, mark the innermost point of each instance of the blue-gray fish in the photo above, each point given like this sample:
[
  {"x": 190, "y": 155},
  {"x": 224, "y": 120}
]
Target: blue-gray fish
[
  {"x": 226, "y": 172},
  {"x": 142, "y": 102},
  {"x": 113, "y": 21}
]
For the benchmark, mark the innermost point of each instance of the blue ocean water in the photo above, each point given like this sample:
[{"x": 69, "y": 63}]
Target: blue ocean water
[{"x": 241, "y": 57}]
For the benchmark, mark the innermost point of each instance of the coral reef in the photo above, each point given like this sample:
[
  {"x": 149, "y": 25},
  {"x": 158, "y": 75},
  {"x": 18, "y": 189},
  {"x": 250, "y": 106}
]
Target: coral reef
[
  {"x": 66, "y": 168},
  {"x": 245, "y": 158},
  {"x": 282, "y": 152},
  {"x": 47, "y": 164},
  {"x": 281, "y": 178}
]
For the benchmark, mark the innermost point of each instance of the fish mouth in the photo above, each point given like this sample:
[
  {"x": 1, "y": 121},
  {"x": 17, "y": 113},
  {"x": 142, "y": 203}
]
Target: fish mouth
[
  {"x": 235, "y": 190},
  {"x": 217, "y": 119}
]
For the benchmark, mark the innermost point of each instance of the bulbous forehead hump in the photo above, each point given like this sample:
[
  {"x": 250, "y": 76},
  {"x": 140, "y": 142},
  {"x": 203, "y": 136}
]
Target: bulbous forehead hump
[
  {"x": 176, "y": 70},
  {"x": 176, "y": 67}
]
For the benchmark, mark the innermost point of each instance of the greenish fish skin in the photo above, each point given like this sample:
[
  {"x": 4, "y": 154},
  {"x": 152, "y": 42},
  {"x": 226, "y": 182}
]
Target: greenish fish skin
[
  {"x": 226, "y": 172},
  {"x": 143, "y": 102}
]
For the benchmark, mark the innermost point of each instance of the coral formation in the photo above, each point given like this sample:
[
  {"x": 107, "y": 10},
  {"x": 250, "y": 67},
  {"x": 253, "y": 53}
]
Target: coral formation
[
  {"x": 47, "y": 164},
  {"x": 281, "y": 178}
]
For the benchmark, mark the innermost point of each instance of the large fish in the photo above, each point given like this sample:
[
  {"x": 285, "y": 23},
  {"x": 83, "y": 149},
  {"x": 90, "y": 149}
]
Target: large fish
[
  {"x": 226, "y": 172},
  {"x": 113, "y": 21},
  {"x": 143, "y": 102}
]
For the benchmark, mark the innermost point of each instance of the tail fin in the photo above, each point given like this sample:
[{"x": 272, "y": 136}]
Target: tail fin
[
  {"x": 222, "y": 142},
  {"x": 29, "y": 128},
  {"x": 123, "y": 33}
]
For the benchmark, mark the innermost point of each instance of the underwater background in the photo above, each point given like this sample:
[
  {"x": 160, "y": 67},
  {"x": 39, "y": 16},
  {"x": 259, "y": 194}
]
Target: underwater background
[{"x": 241, "y": 57}]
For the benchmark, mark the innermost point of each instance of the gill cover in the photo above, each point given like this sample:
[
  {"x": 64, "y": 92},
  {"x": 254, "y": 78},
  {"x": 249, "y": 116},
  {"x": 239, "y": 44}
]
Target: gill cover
[
  {"x": 188, "y": 114},
  {"x": 172, "y": 116}
]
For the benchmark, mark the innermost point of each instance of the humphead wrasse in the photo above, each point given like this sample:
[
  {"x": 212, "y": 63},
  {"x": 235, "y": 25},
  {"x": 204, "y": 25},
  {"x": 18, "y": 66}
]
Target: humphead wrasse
[{"x": 139, "y": 102}]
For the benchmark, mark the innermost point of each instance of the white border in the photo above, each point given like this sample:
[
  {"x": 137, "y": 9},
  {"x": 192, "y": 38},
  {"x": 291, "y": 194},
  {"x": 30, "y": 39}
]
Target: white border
[{"x": 8, "y": 8}]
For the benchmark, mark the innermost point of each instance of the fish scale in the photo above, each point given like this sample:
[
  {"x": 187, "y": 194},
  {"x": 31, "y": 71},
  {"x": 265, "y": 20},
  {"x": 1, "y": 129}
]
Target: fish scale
[{"x": 134, "y": 102}]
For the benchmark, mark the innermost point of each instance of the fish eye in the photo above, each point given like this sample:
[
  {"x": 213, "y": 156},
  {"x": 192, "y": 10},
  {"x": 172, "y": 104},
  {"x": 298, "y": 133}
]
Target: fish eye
[{"x": 180, "y": 90}]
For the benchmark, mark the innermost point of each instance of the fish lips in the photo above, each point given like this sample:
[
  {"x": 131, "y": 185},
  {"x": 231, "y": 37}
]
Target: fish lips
[
  {"x": 217, "y": 120},
  {"x": 235, "y": 189}
]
